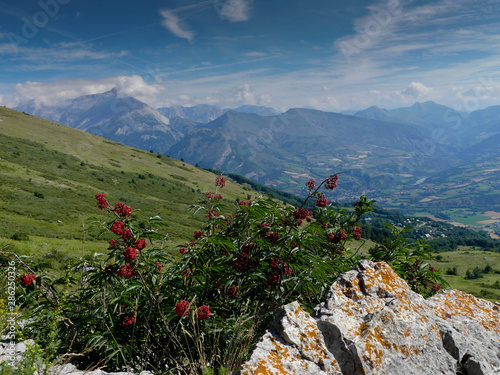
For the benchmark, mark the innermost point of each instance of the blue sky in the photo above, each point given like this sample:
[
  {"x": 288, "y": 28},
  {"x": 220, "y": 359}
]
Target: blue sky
[{"x": 323, "y": 54}]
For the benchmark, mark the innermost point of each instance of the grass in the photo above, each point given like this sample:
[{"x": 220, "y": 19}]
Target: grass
[
  {"x": 467, "y": 259},
  {"x": 464, "y": 259},
  {"x": 50, "y": 173}
]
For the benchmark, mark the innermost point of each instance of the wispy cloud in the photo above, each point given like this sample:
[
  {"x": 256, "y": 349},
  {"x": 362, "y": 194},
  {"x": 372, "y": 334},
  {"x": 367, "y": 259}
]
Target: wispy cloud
[
  {"x": 254, "y": 54},
  {"x": 67, "y": 52},
  {"x": 405, "y": 26},
  {"x": 236, "y": 10},
  {"x": 175, "y": 25}
]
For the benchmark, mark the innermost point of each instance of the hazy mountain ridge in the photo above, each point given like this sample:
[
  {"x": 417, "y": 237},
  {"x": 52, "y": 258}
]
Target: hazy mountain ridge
[
  {"x": 205, "y": 113},
  {"x": 383, "y": 152},
  {"x": 275, "y": 150}
]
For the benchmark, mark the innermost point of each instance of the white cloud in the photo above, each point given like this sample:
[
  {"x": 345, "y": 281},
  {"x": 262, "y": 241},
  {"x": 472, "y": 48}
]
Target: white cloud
[
  {"x": 417, "y": 91},
  {"x": 175, "y": 25},
  {"x": 184, "y": 98},
  {"x": 265, "y": 100},
  {"x": 254, "y": 54},
  {"x": 238, "y": 95},
  {"x": 58, "y": 92},
  {"x": 236, "y": 10}
]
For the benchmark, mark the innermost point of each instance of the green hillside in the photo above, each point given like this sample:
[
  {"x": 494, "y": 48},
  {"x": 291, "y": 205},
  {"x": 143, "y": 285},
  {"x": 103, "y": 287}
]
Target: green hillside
[{"x": 50, "y": 173}]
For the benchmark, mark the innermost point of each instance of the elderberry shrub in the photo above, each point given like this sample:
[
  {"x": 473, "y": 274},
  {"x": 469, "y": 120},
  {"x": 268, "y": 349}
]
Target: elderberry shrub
[{"x": 141, "y": 307}]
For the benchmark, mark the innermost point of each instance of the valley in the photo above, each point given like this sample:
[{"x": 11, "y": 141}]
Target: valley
[
  {"x": 426, "y": 159},
  {"x": 51, "y": 172}
]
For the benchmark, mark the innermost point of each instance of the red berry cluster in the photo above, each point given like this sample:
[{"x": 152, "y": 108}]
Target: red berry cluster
[
  {"x": 321, "y": 201},
  {"x": 140, "y": 243},
  {"x": 220, "y": 181},
  {"x": 102, "y": 203},
  {"x": 127, "y": 235},
  {"x": 336, "y": 238},
  {"x": 310, "y": 185},
  {"x": 127, "y": 271},
  {"x": 130, "y": 254},
  {"x": 214, "y": 196},
  {"x": 302, "y": 213},
  {"x": 198, "y": 235},
  {"x": 435, "y": 288},
  {"x": 182, "y": 308},
  {"x": 203, "y": 312},
  {"x": 232, "y": 291},
  {"x": 265, "y": 226},
  {"x": 117, "y": 228},
  {"x": 331, "y": 182},
  {"x": 356, "y": 234},
  {"x": 128, "y": 320},
  {"x": 123, "y": 210},
  {"x": 27, "y": 279},
  {"x": 278, "y": 269},
  {"x": 182, "y": 250},
  {"x": 242, "y": 203},
  {"x": 244, "y": 263},
  {"x": 273, "y": 237}
]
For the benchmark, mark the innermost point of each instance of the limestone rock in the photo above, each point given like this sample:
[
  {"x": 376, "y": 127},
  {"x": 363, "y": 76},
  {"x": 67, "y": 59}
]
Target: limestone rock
[{"x": 372, "y": 323}]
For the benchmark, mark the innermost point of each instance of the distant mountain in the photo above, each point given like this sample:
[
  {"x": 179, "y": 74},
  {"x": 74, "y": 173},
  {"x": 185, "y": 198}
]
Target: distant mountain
[
  {"x": 281, "y": 150},
  {"x": 184, "y": 125},
  {"x": 202, "y": 113},
  {"x": 434, "y": 120},
  {"x": 427, "y": 154},
  {"x": 483, "y": 123},
  {"x": 33, "y": 108},
  {"x": 257, "y": 109},
  {"x": 122, "y": 119}
]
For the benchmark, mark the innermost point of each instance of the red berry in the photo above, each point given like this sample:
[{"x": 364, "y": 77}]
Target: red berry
[
  {"x": 182, "y": 308},
  {"x": 203, "y": 312}
]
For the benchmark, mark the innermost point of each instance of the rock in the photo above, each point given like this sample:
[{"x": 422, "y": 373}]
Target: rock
[
  {"x": 372, "y": 323},
  {"x": 67, "y": 369}
]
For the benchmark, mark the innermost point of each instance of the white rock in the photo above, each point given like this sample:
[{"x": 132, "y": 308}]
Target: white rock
[{"x": 372, "y": 323}]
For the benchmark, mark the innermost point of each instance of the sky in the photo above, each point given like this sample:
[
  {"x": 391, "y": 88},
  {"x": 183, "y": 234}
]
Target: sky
[{"x": 324, "y": 54}]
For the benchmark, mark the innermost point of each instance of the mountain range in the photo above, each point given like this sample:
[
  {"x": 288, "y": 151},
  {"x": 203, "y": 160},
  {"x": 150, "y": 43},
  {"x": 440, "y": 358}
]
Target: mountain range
[{"x": 427, "y": 155}]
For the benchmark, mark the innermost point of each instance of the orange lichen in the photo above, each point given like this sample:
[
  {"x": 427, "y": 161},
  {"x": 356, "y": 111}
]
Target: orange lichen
[
  {"x": 376, "y": 343},
  {"x": 457, "y": 304}
]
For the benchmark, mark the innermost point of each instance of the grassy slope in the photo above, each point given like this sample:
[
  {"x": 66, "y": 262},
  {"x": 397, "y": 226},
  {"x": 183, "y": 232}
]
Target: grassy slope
[
  {"x": 68, "y": 167},
  {"x": 465, "y": 259}
]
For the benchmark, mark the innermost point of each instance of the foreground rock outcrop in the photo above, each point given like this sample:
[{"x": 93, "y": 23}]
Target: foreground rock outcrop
[{"x": 372, "y": 323}]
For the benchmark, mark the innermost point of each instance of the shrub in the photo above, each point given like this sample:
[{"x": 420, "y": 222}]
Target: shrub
[
  {"x": 39, "y": 195},
  {"x": 21, "y": 236},
  {"x": 476, "y": 273},
  {"x": 201, "y": 311},
  {"x": 452, "y": 271}
]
